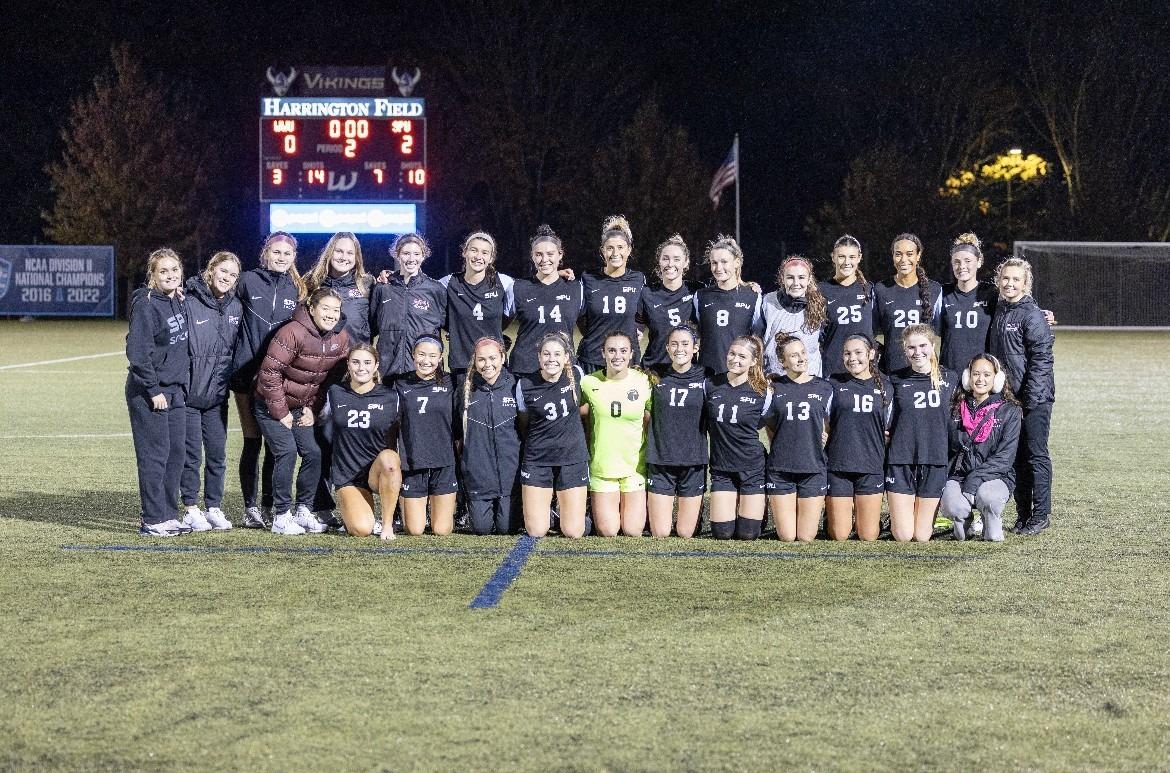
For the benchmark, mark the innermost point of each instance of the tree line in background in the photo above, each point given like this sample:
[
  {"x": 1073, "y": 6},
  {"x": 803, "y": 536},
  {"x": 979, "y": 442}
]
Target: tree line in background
[{"x": 532, "y": 131}]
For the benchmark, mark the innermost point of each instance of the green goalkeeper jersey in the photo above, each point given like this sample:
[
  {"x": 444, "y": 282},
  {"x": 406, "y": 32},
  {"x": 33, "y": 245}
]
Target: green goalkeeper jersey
[{"x": 617, "y": 443}]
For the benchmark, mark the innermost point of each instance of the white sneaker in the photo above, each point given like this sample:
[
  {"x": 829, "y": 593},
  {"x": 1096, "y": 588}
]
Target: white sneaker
[
  {"x": 977, "y": 526},
  {"x": 217, "y": 519},
  {"x": 254, "y": 518},
  {"x": 195, "y": 521},
  {"x": 307, "y": 520},
  {"x": 284, "y": 524},
  {"x": 171, "y": 528}
]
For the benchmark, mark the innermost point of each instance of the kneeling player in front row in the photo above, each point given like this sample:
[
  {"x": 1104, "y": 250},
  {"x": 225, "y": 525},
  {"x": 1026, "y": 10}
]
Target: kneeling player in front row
[
  {"x": 616, "y": 401},
  {"x": 363, "y": 414},
  {"x": 428, "y": 456}
]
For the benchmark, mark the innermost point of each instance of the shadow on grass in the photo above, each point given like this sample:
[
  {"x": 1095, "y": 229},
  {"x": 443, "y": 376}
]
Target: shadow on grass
[{"x": 108, "y": 511}]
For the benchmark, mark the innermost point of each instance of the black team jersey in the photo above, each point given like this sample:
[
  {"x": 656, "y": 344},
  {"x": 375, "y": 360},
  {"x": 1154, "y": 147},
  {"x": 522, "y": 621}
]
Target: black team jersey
[
  {"x": 426, "y": 408},
  {"x": 556, "y": 436},
  {"x": 798, "y": 414},
  {"x": 896, "y": 308},
  {"x": 611, "y": 303},
  {"x": 675, "y": 436},
  {"x": 361, "y": 426},
  {"x": 734, "y": 415},
  {"x": 474, "y": 311},
  {"x": 921, "y": 417},
  {"x": 848, "y": 310},
  {"x": 661, "y": 311},
  {"x": 966, "y": 320},
  {"x": 857, "y": 425},
  {"x": 724, "y": 315},
  {"x": 541, "y": 309},
  {"x": 491, "y": 443}
]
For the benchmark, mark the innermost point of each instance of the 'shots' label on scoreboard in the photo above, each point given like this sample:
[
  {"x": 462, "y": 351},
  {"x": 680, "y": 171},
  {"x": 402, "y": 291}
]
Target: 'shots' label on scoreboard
[{"x": 322, "y": 107}]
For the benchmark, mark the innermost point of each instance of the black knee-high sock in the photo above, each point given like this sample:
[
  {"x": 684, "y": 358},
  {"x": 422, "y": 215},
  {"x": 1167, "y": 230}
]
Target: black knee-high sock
[
  {"x": 249, "y": 460},
  {"x": 722, "y": 529},
  {"x": 748, "y": 528},
  {"x": 266, "y": 478}
]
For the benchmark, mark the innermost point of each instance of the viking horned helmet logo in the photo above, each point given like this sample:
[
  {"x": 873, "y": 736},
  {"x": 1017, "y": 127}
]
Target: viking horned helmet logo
[
  {"x": 406, "y": 81},
  {"x": 281, "y": 82}
]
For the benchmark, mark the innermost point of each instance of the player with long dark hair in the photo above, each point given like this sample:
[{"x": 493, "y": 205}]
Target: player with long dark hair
[
  {"x": 611, "y": 296},
  {"x": 546, "y": 303},
  {"x": 676, "y": 443},
  {"x": 856, "y": 450},
  {"x": 213, "y": 322},
  {"x": 908, "y": 298},
  {"x": 984, "y": 433},
  {"x": 156, "y": 386},
  {"x": 848, "y": 303},
  {"x": 736, "y": 403},
  {"x": 916, "y": 462},
  {"x": 728, "y": 309}
]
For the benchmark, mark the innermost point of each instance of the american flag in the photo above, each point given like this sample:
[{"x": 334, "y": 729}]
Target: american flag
[{"x": 725, "y": 175}]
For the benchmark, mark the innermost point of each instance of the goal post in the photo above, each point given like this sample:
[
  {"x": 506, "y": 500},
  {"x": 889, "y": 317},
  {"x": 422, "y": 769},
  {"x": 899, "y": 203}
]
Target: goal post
[{"x": 1101, "y": 284}]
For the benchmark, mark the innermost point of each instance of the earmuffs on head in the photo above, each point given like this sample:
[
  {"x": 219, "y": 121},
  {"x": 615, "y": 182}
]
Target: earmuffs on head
[{"x": 996, "y": 383}]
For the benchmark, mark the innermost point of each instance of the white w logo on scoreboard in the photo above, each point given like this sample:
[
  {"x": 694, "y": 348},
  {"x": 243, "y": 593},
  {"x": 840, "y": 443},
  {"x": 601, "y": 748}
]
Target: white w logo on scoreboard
[{"x": 341, "y": 182}]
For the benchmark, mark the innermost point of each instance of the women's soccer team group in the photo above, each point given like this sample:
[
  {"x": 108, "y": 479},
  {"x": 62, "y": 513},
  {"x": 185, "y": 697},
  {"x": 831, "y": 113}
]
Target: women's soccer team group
[{"x": 404, "y": 387}]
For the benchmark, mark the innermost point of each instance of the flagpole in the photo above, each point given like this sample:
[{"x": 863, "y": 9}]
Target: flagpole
[{"x": 738, "y": 172}]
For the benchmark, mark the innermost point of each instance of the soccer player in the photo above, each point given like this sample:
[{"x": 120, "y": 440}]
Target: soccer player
[
  {"x": 617, "y": 404},
  {"x": 676, "y": 445},
  {"x": 909, "y": 298},
  {"x": 984, "y": 432},
  {"x": 610, "y": 297},
  {"x": 663, "y": 308},
  {"x": 967, "y": 305},
  {"x": 213, "y": 323},
  {"x": 544, "y": 304},
  {"x": 555, "y": 456},
  {"x": 798, "y": 309},
  {"x": 364, "y": 416},
  {"x": 488, "y": 441},
  {"x": 408, "y": 305},
  {"x": 727, "y": 310},
  {"x": 848, "y": 303},
  {"x": 1022, "y": 340},
  {"x": 479, "y": 302},
  {"x": 426, "y": 397},
  {"x": 340, "y": 267},
  {"x": 856, "y": 449},
  {"x": 268, "y": 295},
  {"x": 916, "y": 462},
  {"x": 796, "y": 468},
  {"x": 156, "y": 383},
  {"x": 290, "y": 391},
  {"x": 736, "y": 403}
]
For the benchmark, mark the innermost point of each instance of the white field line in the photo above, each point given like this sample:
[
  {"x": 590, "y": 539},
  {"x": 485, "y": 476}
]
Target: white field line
[
  {"x": 63, "y": 359},
  {"x": 97, "y": 436},
  {"x": 56, "y": 372}
]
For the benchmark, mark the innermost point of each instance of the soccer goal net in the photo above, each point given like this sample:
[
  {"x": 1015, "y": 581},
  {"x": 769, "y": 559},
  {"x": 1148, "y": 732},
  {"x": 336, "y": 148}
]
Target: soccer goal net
[{"x": 1101, "y": 284}]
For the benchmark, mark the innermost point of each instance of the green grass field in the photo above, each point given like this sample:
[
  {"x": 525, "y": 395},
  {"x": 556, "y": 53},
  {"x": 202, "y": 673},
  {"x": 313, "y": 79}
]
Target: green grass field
[{"x": 1049, "y": 653}]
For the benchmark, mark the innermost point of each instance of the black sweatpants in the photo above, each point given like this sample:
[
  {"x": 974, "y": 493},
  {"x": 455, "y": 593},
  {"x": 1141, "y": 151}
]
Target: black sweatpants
[
  {"x": 489, "y": 514},
  {"x": 206, "y": 434},
  {"x": 286, "y": 445},
  {"x": 159, "y": 449},
  {"x": 1034, "y": 466}
]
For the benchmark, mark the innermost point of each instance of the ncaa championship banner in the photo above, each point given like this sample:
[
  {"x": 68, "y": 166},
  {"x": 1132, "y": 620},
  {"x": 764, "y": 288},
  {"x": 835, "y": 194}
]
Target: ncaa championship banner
[{"x": 57, "y": 281}]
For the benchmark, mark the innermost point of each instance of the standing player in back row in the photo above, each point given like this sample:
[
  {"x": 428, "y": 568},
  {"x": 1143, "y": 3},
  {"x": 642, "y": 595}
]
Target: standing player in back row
[
  {"x": 479, "y": 302},
  {"x": 662, "y": 309},
  {"x": 908, "y": 298},
  {"x": 546, "y": 303},
  {"x": 728, "y": 309},
  {"x": 848, "y": 304},
  {"x": 610, "y": 297},
  {"x": 967, "y": 306}
]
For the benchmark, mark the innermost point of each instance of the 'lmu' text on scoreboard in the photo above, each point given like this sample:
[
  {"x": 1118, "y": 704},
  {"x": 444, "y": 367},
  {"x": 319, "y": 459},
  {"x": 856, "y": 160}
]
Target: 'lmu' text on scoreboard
[{"x": 322, "y": 107}]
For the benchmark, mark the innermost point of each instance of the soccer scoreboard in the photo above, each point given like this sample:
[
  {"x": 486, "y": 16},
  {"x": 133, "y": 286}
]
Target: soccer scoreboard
[{"x": 350, "y": 163}]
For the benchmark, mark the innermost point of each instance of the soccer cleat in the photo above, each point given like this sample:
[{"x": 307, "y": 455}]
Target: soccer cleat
[
  {"x": 977, "y": 526},
  {"x": 329, "y": 520},
  {"x": 284, "y": 524},
  {"x": 217, "y": 519},
  {"x": 171, "y": 528},
  {"x": 195, "y": 521},
  {"x": 307, "y": 520},
  {"x": 1034, "y": 526},
  {"x": 254, "y": 519},
  {"x": 942, "y": 523}
]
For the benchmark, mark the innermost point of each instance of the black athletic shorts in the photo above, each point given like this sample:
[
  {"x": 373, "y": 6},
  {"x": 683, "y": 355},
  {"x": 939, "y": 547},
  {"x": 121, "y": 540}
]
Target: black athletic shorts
[
  {"x": 360, "y": 479},
  {"x": 741, "y": 482},
  {"x": 921, "y": 480},
  {"x": 805, "y": 485},
  {"x": 852, "y": 484},
  {"x": 560, "y": 477},
  {"x": 429, "y": 481},
  {"x": 689, "y": 480}
]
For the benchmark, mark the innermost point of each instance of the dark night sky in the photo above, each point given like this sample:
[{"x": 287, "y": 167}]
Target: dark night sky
[{"x": 796, "y": 79}]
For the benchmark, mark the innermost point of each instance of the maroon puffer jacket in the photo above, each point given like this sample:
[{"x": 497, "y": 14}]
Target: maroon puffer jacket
[{"x": 298, "y": 362}]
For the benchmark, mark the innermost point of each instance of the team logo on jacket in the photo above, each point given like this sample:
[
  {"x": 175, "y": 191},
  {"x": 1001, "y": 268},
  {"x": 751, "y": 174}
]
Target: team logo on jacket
[
  {"x": 563, "y": 298},
  {"x": 231, "y": 320},
  {"x": 492, "y": 294},
  {"x": 508, "y": 402},
  {"x": 374, "y": 407},
  {"x": 739, "y": 305},
  {"x": 632, "y": 395},
  {"x": 687, "y": 297},
  {"x": 332, "y": 346},
  {"x": 355, "y": 293},
  {"x": 290, "y": 304},
  {"x": 422, "y": 304},
  {"x": 438, "y": 389},
  {"x": 629, "y": 289}
]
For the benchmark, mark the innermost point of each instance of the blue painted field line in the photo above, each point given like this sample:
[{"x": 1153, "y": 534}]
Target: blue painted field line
[
  {"x": 505, "y": 574},
  {"x": 754, "y": 554},
  {"x": 316, "y": 551}
]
